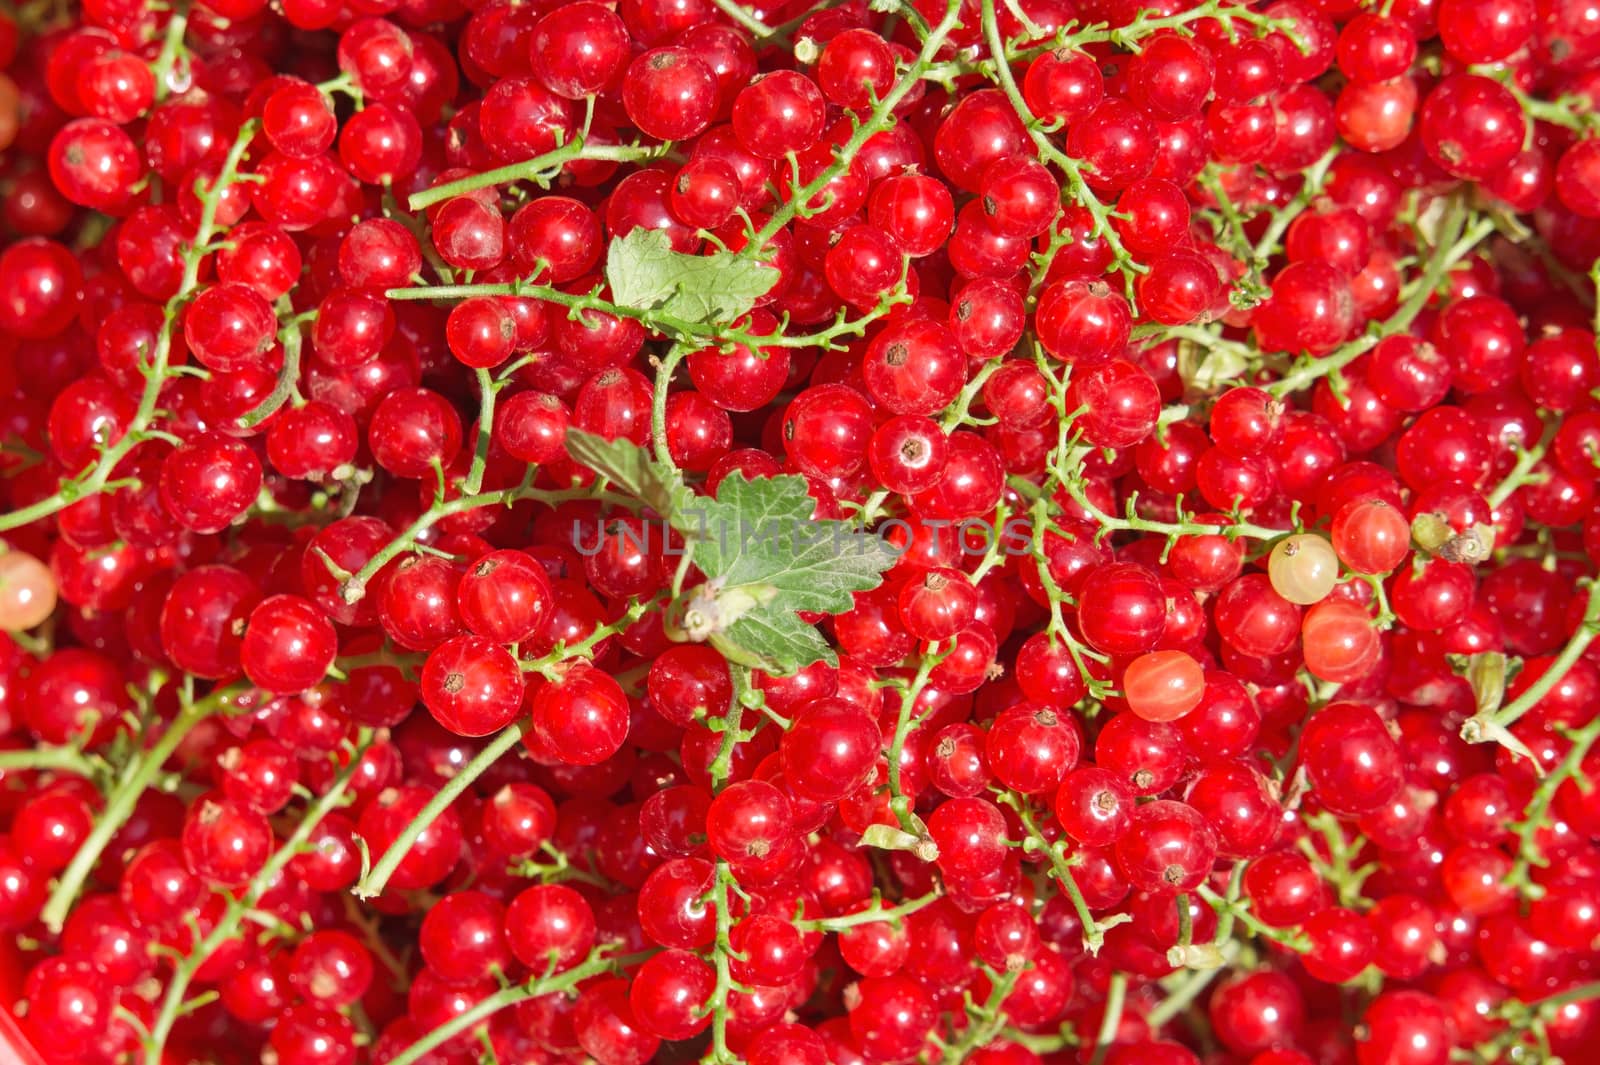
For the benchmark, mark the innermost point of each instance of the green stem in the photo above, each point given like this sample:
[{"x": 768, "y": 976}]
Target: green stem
[
  {"x": 1315, "y": 175},
  {"x": 355, "y": 588},
  {"x": 1171, "y": 530},
  {"x": 1061, "y": 868},
  {"x": 984, "y": 1022},
  {"x": 288, "y": 377},
  {"x": 37, "y": 759},
  {"x": 1181, "y": 997},
  {"x": 1581, "y": 993},
  {"x": 171, "y": 48},
  {"x": 97, "y": 479},
  {"x": 540, "y": 170},
  {"x": 378, "y": 877},
  {"x": 172, "y": 1005},
  {"x": 881, "y": 118},
  {"x": 1522, "y": 472},
  {"x": 732, "y": 725},
  {"x": 1077, "y": 187},
  {"x": 907, "y": 720},
  {"x": 136, "y": 778},
  {"x": 872, "y": 915},
  {"x": 548, "y": 665},
  {"x": 1446, "y": 253},
  {"x": 721, "y": 953},
  {"x": 740, "y": 14},
  {"x": 1533, "y": 816},
  {"x": 487, "y": 388},
  {"x": 658, "y": 405},
  {"x": 549, "y": 984},
  {"x": 1232, "y": 909},
  {"x": 1481, "y": 727},
  {"x": 1111, "y": 1020}
]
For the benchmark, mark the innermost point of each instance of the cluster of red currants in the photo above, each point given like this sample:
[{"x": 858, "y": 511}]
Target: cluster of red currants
[{"x": 411, "y": 655}]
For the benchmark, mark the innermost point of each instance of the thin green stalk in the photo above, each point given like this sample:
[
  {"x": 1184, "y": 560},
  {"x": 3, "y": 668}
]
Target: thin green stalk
[
  {"x": 289, "y": 377},
  {"x": 665, "y": 368},
  {"x": 378, "y": 877},
  {"x": 39, "y": 759},
  {"x": 745, "y": 696},
  {"x": 1181, "y": 997},
  {"x": 1077, "y": 186},
  {"x": 98, "y": 478},
  {"x": 1534, "y": 815},
  {"x": 550, "y": 984},
  {"x": 742, "y": 15},
  {"x": 487, "y": 389},
  {"x": 137, "y": 776},
  {"x": 721, "y": 955},
  {"x": 354, "y": 589},
  {"x": 1094, "y": 932},
  {"x": 881, "y": 118},
  {"x": 171, "y": 48},
  {"x": 1522, "y": 473},
  {"x": 1232, "y": 909},
  {"x": 1481, "y": 727},
  {"x": 173, "y": 1002},
  {"x": 1111, "y": 1020},
  {"x": 1134, "y": 523},
  {"x": 1315, "y": 175},
  {"x": 549, "y": 665},
  {"x": 1452, "y": 246},
  {"x": 871, "y": 915},
  {"x": 985, "y": 1021},
  {"x": 905, "y": 721},
  {"x": 540, "y": 170}
]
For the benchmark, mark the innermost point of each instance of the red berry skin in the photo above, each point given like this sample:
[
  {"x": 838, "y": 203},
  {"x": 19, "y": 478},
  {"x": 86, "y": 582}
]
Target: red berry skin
[
  {"x": 1032, "y": 748},
  {"x": 578, "y": 49},
  {"x": 970, "y": 833},
  {"x": 1352, "y": 762},
  {"x": 1406, "y": 1028},
  {"x": 1341, "y": 945},
  {"x": 829, "y": 750},
  {"x": 471, "y": 686},
  {"x": 1471, "y": 126},
  {"x": 463, "y": 937},
  {"x": 203, "y": 618},
  {"x": 224, "y": 841},
  {"x": 316, "y": 1034},
  {"x": 670, "y": 93},
  {"x": 70, "y": 1005},
  {"x": 549, "y": 926},
  {"x": 914, "y": 367},
  {"x": 207, "y": 483},
  {"x": 669, "y": 993},
  {"x": 1257, "y": 1011},
  {"x": 434, "y": 853},
  {"x": 505, "y": 597},
  {"x": 1121, "y": 609},
  {"x": 288, "y": 646},
  {"x": 1168, "y": 847},
  {"x": 581, "y": 718}
]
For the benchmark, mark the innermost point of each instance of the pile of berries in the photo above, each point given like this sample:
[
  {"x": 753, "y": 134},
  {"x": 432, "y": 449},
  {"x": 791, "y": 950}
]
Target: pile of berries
[{"x": 952, "y": 531}]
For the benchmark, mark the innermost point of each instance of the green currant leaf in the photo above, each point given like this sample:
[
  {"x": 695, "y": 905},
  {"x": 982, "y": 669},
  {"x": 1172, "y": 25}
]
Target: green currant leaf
[
  {"x": 646, "y": 274},
  {"x": 629, "y": 467},
  {"x": 778, "y": 642},
  {"x": 765, "y": 558},
  {"x": 762, "y": 532}
]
